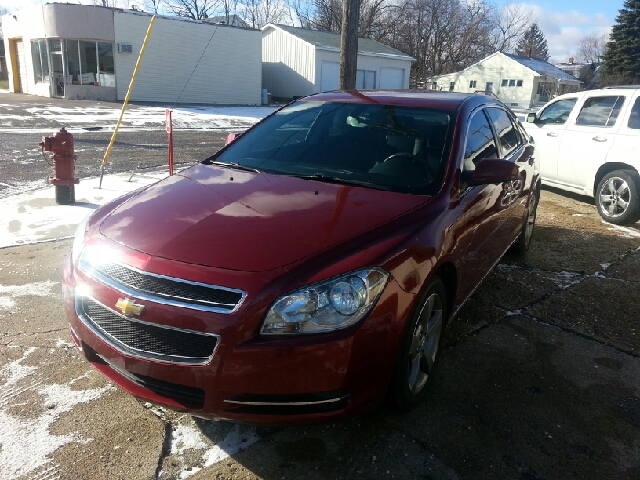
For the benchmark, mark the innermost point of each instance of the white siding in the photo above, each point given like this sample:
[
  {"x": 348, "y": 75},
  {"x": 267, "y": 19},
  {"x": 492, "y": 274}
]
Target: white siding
[
  {"x": 229, "y": 71},
  {"x": 288, "y": 65},
  {"x": 494, "y": 68}
]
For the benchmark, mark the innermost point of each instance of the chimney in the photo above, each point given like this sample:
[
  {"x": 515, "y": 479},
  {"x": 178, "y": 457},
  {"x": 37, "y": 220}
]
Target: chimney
[
  {"x": 570, "y": 60},
  {"x": 527, "y": 52}
]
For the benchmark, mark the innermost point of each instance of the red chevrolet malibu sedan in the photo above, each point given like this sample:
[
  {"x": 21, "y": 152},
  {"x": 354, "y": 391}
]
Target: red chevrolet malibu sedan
[{"x": 306, "y": 271}]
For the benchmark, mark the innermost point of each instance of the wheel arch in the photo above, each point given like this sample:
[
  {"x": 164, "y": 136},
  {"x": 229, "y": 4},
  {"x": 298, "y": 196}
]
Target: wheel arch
[
  {"x": 448, "y": 274},
  {"x": 609, "y": 167}
]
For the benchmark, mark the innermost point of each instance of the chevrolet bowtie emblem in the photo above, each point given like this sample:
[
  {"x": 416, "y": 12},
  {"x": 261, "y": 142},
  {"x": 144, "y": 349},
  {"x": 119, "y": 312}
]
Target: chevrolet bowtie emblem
[{"x": 129, "y": 307}]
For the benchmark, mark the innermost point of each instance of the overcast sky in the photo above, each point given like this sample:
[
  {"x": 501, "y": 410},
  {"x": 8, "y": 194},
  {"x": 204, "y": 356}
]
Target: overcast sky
[{"x": 563, "y": 22}]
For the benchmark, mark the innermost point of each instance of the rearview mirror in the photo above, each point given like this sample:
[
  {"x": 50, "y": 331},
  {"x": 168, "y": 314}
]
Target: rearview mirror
[
  {"x": 492, "y": 170},
  {"x": 531, "y": 117}
]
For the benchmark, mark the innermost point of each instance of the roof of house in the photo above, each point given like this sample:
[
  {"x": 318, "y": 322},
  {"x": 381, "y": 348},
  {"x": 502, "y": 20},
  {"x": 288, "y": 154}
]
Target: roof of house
[
  {"x": 542, "y": 67},
  {"x": 332, "y": 41},
  {"x": 234, "y": 20}
]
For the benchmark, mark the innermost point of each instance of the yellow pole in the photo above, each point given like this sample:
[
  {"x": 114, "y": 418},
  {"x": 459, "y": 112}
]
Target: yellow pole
[{"x": 126, "y": 99}]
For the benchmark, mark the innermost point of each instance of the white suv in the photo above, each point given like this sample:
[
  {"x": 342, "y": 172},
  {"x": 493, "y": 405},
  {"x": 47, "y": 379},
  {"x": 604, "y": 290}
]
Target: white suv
[{"x": 589, "y": 143}]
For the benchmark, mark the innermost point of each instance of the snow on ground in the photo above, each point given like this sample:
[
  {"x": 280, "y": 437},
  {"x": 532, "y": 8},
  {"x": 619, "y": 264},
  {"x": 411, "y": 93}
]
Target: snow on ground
[
  {"x": 78, "y": 119},
  {"x": 34, "y": 216}
]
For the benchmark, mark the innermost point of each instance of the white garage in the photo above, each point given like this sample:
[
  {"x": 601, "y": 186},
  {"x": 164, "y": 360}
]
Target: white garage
[{"x": 298, "y": 62}]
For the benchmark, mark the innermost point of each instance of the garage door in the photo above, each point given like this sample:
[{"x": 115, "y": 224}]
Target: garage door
[
  {"x": 330, "y": 76},
  {"x": 391, "y": 78},
  {"x": 22, "y": 67}
]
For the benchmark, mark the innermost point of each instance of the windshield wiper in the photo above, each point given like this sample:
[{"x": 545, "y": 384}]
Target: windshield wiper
[
  {"x": 234, "y": 165},
  {"x": 320, "y": 177}
]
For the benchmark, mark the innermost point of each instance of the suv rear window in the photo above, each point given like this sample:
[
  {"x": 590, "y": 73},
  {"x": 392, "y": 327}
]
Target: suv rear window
[
  {"x": 634, "y": 118},
  {"x": 600, "y": 111}
]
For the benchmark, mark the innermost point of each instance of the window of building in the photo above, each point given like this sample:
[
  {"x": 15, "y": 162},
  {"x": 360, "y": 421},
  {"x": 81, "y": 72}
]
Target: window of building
[
  {"x": 600, "y": 111},
  {"x": 89, "y": 63},
  {"x": 40, "y": 60},
  {"x": 519, "y": 83},
  {"x": 512, "y": 83},
  {"x": 434, "y": 85},
  {"x": 452, "y": 85},
  {"x": 504, "y": 82},
  {"x": 472, "y": 84}
]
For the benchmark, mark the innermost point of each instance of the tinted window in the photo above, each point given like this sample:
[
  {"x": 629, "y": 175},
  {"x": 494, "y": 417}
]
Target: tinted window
[
  {"x": 393, "y": 147},
  {"x": 508, "y": 135},
  {"x": 634, "y": 118},
  {"x": 558, "y": 112},
  {"x": 600, "y": 111},
  {"x": 480, "y": 143}
]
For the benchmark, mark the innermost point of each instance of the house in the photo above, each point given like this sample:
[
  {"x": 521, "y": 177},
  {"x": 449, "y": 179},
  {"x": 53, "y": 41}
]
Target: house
[
  {"x": 516, "y": 80},
  {"x": 582, "y": 71},
  {"x": 298, "y": 62},
  {"x": 89, "y": 52}
]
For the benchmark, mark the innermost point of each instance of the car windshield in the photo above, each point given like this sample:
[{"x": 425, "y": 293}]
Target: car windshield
[{"x": 388, "y": 147}]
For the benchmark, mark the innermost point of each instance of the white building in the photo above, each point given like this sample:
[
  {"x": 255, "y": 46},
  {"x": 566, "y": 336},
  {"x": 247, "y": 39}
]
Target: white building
[
  {"x": 298, "y": 62},
  {"x": 517, "y": 81},
  {"x": 89, "y": 52}
]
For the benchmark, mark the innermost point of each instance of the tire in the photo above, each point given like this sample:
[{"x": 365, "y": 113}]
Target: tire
[
  {"x": 521, "y": 245},
  {"x": 617, "y": 197},
  {"x": 65, "y": 194},
  {"x": 418, "y": 352}
]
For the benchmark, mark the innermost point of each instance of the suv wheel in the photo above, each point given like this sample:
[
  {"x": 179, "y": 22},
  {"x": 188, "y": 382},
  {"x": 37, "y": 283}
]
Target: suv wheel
[{"x": 617, "y": 197}]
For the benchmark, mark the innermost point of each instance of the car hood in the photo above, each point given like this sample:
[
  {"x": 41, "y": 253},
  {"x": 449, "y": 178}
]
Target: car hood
[{"x": 247, "y": 221}]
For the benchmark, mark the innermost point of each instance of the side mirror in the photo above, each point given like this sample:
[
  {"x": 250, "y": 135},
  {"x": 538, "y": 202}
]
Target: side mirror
[
  {"x": 531, "y": 118},
  {"x": 492, "y": 170},
  {"x": 230, "y": 138}
]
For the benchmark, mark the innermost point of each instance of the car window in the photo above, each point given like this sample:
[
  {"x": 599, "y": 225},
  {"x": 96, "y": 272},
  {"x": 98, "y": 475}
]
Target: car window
[
  {"x": 600, "y": 111},
  {"x": 634, "y": 118},
  {"x": 394, "y": 147},
  {"x": 508, "y": 135},
  {"x": 558, "y": 112},
  {"x": 480, "y": 142}
]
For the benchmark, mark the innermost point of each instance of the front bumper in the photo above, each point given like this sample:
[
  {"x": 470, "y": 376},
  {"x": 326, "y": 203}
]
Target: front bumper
[{"x": 249, "y": 379}]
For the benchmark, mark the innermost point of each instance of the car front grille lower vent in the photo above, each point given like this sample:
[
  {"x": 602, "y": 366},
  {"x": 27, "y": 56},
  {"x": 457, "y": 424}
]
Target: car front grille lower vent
[
  {"x": 163, "y": 289},
  {"x": 146, "y": 340},
  {"x": 297, "y": 404}
]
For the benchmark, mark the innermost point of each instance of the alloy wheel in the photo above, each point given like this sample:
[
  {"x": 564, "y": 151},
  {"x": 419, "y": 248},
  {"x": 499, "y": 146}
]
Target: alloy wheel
[
  {"x": 424, "y": 343},
  {"x": 614, "y": 197}
]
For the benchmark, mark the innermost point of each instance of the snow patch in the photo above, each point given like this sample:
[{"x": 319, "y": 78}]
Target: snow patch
[
  {"x": 8, "y": 293},
  {"x": 26, "y": 445}
]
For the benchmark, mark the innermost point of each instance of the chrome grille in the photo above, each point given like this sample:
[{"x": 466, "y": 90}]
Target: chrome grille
[
  {"x": 163, "y": 289},
  {"x": 146, "y": 340}
]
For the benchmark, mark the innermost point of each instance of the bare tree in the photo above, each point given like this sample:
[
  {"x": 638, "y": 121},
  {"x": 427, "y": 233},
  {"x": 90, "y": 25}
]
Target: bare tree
[
  {"x": 510, "y": 24},
  {"x": 194, "y": 9},
  {"x": 258, "y": 13},
  {"x": 153, "y": 5},
  {"x": 591, "y": 48}
]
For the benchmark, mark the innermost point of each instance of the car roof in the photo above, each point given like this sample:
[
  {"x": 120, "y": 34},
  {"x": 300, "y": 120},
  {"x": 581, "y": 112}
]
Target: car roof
[{"x": 409, "y": 98}]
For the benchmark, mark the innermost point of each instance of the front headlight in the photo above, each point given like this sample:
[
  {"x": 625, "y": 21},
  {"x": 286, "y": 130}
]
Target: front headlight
[
  {"x": 326, "y": 306},
  {"x": 79, "y": 238}
]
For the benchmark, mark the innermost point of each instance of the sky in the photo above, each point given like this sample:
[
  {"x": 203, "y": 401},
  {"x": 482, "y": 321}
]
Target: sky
[{"x": 563, "y": 22}]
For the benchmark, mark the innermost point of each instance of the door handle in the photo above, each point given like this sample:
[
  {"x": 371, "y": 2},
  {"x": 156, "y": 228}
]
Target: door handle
[
  {"x": 552, "y": 134},
  {"x": 599, "y": 139}
]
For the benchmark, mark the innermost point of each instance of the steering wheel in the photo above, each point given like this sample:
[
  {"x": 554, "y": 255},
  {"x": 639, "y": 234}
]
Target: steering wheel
[
  {"x": 417, "y": 161},
  {"x": 409, "y": 156}
]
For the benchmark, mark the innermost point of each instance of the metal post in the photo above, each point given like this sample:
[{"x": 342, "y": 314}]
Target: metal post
[
  {"x": 170, "y": 132},
  {"x": 126, "y": 99}
]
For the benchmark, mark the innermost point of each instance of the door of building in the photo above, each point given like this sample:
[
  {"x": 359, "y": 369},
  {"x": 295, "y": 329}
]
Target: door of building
[{"x": 22, "y": 68}]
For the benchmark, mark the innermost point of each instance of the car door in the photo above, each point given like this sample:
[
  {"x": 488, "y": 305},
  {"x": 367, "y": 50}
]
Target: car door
[
  {"x": 588, "y": 139},
  {"x": 626, "y": 144},
  {"x": 478, "y": 243},
  {"x": 512, "y": 147},
  {"x": 547, "y": 130}
]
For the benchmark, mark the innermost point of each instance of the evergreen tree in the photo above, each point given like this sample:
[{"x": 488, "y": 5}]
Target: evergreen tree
[
  {"x": 533, "y": 44},
  {"x": 621, "y": 61}
]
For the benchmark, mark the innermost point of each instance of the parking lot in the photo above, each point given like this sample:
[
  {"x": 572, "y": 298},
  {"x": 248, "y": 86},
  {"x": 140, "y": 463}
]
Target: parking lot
[{"x": 539, "y": 377}]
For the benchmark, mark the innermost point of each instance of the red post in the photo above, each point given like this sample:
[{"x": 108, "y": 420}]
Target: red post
[{"x": 170, "y": 132}]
